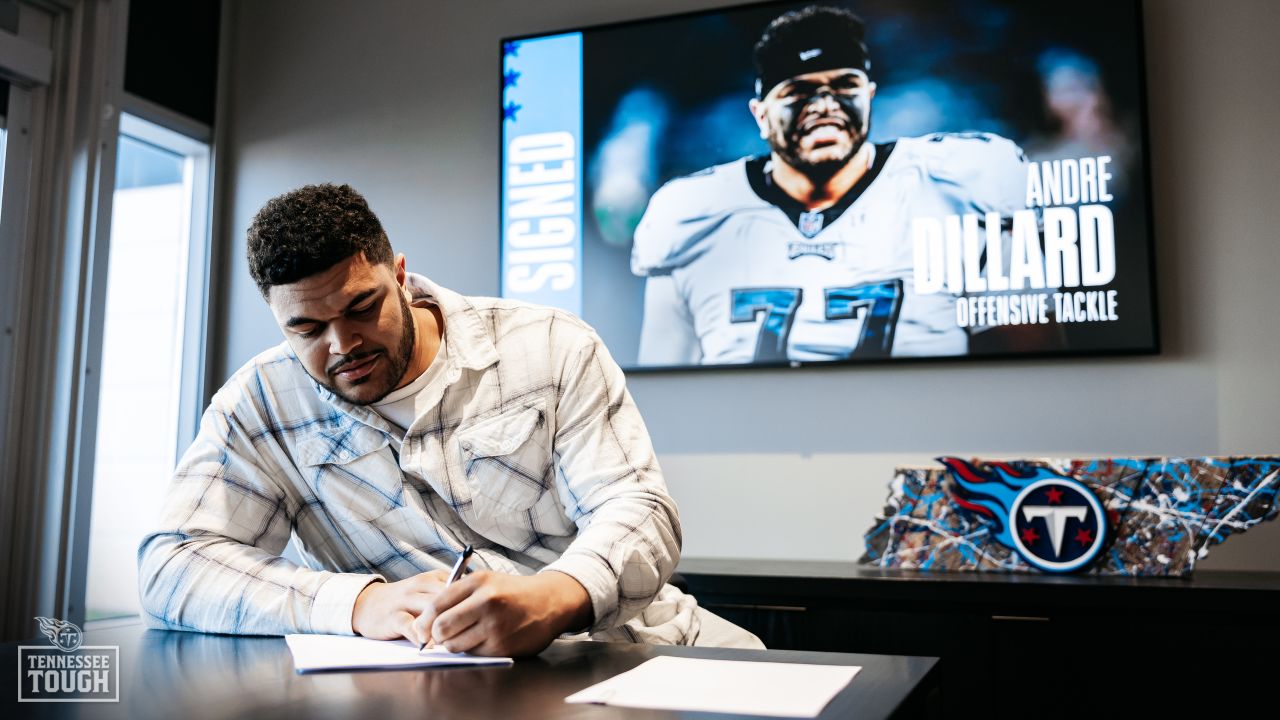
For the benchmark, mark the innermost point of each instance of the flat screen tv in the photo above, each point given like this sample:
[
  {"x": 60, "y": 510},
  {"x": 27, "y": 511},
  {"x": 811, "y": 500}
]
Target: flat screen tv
[{"x": 798, "y": 183}]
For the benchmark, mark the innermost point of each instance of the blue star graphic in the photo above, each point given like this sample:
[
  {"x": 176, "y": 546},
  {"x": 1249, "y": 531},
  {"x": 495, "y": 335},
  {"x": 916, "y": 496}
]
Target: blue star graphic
[
  {"x": 510, "y": 48},
  {"x": 509, "y": 79},
  {"x": 509, "y": 111}
]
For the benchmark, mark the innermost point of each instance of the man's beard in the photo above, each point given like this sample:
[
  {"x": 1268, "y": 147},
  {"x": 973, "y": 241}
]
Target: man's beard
[
  {"x": 789, "y": 150},
  {"x": 786, "y": 143},
  {"x": 397, "y": 363}
]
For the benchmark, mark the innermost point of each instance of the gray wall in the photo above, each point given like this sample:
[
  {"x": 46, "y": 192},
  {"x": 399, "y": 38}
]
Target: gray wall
[{"x": 400, "y": 100}]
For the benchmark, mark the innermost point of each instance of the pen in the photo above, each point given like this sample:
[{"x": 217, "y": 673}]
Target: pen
[{"x": 459, "y": 567}]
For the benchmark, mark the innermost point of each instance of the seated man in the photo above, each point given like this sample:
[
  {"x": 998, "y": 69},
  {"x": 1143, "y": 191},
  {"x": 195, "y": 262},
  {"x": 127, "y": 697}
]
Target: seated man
[{"x": 398, "y": 423}]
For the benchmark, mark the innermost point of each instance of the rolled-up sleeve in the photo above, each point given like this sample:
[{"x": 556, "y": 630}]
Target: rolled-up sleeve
[
  {"x": 611, "y": 485},
  {"x": 214, "y": 562}
]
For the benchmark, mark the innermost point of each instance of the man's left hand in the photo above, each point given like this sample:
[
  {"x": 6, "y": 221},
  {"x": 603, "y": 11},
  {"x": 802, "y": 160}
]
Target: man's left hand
[{"x": 488, "y": 613}]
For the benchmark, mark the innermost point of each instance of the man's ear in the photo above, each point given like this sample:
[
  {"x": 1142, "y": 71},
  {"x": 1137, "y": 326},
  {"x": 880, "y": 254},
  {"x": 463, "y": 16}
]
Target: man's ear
[
  {"x": 398, "y": 266},
  {"x": 760, "y": 112}
]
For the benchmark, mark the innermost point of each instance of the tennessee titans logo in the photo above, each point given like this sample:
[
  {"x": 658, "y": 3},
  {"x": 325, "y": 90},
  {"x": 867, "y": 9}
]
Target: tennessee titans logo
[
  {"x": 1053, "y": 522},
  {"x": 66, "y": 636}
]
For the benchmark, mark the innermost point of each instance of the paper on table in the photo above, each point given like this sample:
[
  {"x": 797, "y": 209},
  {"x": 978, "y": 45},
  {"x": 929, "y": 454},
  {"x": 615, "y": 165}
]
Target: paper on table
[
  {"x": 725, "y": 686},
  {"x": 344, "y": 652}
]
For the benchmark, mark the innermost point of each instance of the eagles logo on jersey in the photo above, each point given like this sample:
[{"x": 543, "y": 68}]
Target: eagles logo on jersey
[{"x": 738, "y": 272}]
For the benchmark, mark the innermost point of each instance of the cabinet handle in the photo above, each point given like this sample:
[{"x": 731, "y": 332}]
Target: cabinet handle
[
  {"x": 1020, "y": 618},
  {"x": 741, "y": 606}
]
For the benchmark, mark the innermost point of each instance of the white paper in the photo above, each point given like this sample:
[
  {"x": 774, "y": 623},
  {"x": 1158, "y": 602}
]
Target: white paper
[
  {"x": 345, "y": 652},
  {"x": 724, "y": 686}
]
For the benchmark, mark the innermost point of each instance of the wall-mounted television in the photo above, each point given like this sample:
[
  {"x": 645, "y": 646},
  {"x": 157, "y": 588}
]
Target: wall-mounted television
[{"x": 808, "y": 183}]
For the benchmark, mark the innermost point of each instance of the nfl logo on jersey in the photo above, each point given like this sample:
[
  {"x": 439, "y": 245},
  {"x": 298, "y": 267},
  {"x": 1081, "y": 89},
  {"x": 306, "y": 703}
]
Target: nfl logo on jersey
[{"x": 810, "y": 223}]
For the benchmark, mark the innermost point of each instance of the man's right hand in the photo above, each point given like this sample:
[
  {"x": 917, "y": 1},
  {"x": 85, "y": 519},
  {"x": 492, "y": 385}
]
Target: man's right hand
[{"x": 386, "y": 611}]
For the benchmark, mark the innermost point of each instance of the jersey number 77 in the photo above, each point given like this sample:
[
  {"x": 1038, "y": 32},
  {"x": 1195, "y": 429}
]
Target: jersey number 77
[{"x": 878, "y": 303}]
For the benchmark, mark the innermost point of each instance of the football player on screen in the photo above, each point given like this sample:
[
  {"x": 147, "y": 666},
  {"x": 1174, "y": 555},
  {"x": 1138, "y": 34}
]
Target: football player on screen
[{"x": 806, "y": 254}]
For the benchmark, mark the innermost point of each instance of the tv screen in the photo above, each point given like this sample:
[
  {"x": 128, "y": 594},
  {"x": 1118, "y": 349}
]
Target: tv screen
[{"x": 797, "y": 183}]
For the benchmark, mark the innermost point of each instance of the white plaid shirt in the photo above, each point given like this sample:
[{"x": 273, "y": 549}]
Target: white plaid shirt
[{"x": 535, "y": 454}]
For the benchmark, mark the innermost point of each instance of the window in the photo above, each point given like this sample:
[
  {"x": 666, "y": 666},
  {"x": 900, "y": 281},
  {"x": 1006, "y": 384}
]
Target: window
[
  {"x": 151, "y": 349},
  {"x": 4, "y": 143},
  {"x": 4, "y": 131}
]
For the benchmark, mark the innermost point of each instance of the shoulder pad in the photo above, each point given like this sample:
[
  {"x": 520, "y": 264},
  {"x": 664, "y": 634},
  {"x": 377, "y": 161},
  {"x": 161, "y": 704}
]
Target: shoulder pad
[
  {"x": 684, "y": 212},
  {"x": 987, "y": 171}
]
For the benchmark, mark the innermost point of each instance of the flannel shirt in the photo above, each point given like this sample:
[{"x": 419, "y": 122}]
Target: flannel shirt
[{"x": 534, "y": 453}]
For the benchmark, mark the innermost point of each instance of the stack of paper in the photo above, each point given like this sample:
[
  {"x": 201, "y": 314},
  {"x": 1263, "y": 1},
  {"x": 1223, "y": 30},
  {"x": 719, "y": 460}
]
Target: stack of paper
[
  {"x": 723, "y": 686},
  {"x": 344, "y": 652}
]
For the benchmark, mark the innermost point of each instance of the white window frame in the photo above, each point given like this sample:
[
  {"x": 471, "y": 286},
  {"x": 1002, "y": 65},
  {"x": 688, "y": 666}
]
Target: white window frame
[
  {"x": 186, "y": 137},
  {"x": 146, "y": 122}
]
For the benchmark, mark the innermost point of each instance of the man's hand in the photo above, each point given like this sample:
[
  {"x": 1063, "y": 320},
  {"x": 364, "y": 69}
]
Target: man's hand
[
  {"x": 386, "y": 611},
  {"x": 487, "y": 613}
]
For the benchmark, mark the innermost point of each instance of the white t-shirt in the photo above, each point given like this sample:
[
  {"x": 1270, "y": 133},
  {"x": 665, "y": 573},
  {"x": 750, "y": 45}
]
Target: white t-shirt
[{"x": 401, "y": 407}]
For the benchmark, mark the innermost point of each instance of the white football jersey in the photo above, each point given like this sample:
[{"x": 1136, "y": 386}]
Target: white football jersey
[{"x": 737, "y": 273}]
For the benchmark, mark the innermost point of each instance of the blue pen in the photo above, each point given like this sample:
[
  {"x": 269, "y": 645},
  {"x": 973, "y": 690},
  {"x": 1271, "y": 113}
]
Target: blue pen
[{"x": 459, "y": 567}]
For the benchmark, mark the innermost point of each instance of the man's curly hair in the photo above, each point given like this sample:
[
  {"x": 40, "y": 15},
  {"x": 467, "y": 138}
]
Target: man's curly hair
[{"x": 309, "y": 230}]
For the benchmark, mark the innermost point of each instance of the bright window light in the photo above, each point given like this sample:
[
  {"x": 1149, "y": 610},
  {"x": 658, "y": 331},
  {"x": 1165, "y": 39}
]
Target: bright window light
[{"x": 140, "y": 393}]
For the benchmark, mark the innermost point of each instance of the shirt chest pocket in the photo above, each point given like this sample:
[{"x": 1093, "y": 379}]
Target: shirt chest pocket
[
  {"x": 358, "y": 479},
  {"x": 507, "y": 460}
]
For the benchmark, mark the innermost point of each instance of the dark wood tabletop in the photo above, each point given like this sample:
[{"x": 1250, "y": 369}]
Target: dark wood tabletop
[{"x": 193, "y": 676}]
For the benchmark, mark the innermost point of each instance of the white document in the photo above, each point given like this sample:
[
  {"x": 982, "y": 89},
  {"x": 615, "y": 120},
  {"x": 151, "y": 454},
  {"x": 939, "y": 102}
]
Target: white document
[
  {"x": 723, "y": 686},
  {"x": 346, "y": 652}
]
